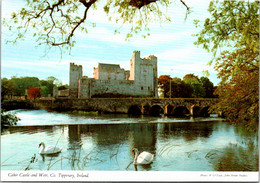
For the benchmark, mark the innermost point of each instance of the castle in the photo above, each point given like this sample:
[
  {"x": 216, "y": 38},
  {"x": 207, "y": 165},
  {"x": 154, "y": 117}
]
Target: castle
[{"x": 110, "y": 79}]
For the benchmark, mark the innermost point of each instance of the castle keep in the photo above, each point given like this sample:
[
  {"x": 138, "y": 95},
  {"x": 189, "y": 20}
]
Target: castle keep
[{"x": 110, "y": 79}]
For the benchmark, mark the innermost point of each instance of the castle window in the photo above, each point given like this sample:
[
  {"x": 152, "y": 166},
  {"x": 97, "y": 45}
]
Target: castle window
[{"x": 142, "y": 87}]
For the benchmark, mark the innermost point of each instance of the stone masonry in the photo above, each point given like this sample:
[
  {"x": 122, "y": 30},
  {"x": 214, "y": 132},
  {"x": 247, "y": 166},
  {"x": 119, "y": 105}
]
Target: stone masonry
[{"x": 140, "y": 81}]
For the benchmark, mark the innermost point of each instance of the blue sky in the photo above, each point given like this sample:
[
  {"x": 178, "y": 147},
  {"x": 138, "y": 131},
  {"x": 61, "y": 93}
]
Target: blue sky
[{"x": 171, "y": 42}]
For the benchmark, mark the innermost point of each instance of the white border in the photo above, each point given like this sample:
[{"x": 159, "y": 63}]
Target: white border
[{"x": 206, "y": 176}]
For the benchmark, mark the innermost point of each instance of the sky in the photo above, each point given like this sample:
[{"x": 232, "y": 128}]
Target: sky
[{"x": 172, "y": 43}]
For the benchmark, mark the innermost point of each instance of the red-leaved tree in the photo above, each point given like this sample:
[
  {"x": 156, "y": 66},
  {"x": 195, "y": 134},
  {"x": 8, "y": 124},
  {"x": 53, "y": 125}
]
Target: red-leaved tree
[{"x": 34, "y": 92}]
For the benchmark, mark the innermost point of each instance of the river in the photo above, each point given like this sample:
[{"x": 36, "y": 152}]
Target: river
[{"x": 104, "y": 142}]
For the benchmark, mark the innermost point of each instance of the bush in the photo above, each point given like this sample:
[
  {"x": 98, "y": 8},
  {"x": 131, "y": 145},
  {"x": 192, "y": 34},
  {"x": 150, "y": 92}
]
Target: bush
[{"x": 8, "y": 119}]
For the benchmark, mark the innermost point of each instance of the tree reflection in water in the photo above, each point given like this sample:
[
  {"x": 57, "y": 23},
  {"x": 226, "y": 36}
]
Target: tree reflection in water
[
  {"x": 234, "y": 158},
  {"x": 242, "y": 156}
]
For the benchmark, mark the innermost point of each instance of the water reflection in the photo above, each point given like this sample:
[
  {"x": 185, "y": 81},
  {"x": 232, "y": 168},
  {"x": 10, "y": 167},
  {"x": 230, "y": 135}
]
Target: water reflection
[
  {"x": 235, "y": 158},
  {"x": 189, "y": 131},
  {"x": 74, "y": 137},
  {"x": 178, "y": 146},
  {"x": 143, "y": 137},
  {"x": 28, "y": 129}
]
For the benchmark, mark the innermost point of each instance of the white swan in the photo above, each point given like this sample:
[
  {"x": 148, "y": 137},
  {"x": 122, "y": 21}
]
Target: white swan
[
  {"x": 49, "y": 149},
  {"x": 143, "y": 158}
]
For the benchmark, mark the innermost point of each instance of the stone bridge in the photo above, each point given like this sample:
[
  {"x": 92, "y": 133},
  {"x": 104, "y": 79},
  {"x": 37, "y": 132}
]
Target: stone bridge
[{"x": 146, "y": 106}]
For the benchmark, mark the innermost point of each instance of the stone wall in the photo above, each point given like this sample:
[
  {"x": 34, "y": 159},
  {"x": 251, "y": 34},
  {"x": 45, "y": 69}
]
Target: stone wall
[
  {"x": 141, "y": 80},
  {"x": 109, "y": 72}
]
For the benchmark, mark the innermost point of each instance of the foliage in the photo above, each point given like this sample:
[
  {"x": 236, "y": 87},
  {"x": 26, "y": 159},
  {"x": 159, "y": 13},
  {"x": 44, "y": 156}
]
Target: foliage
[
  {"x": 23, "y": 83},
  {"x": 174, "y": 87},
  {"x": 7, "y": 88},
  {"x": 63, "y": 87},
  {"x": 232, "y": 33},
  {"x": 195, "y": 83},
  {"x": 190, "y": 87},
  {"x": 189, "y": 76},
  {"x": 18, "y": 86},
  {"x": 34, "y": 92},
  {"x": 8, "y": 119},
  {"x": 179, "y": 89},
  {"x": 163, "y": 79},
  {"x": 197, "y": 87},
  {"x": 54, "y": 23},
  {"x": 54, "y": 81},
  {"x": 208, "y": 86}
]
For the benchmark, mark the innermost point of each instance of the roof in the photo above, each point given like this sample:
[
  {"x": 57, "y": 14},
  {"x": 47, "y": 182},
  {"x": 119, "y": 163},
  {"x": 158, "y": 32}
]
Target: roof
[{"x": 103, "y": 65}]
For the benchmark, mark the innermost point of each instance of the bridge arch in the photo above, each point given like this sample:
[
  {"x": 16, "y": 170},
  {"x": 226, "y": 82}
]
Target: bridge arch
[
  {"x": 205, "y": 112},
  {"x": 195, "y": 111},
  {"x": 168, "y": 110},
  {"x": 145, "y": 109},
  {"x": 181, "y": 111},
  {"x": 134, "y": 110},
  {"x": 156, "y": 110}
]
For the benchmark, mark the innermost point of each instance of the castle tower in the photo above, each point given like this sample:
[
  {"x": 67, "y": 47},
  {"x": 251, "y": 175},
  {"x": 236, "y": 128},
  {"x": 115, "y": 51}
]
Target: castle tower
[
  {"x": 75, "y": 74},
  {"x": 144, "y": 73},
  {"x": 134, "y": 65}
]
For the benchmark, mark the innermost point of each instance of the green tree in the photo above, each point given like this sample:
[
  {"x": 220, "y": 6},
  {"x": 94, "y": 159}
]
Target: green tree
[
  {"x": 174, "y": 87},
  {"x": 63, "y": 87},
  {"x": 7, "y": 88},
  {"x": 232, "y": 35},
  {"x": 208, "y": 86},
  {"x": 196, "y": 85},
  {"x": 55, "y": 22},
  {"x": 189, "y": 76},
  {"x": 54, "y": 81},
  {"x": 180, "y": 89},
  {"x": 46, "y": 87},
  {"x": 23, "y": 83},
  {"x": 198, "y": 91}
]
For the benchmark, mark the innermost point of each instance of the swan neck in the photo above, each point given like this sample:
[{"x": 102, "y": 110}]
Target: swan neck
[
  {"x": 43, "y": 147},
  {"x": 136, "y": 155}
]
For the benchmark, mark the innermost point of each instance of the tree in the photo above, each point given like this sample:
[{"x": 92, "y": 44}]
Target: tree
[
  {"x": 208, "y": 86},
  {"x": 63, "y": 87},
  {"x": 7, "y": 88},
  {"x": 23, "y": 83},
  {"x": 163, "y": 79},
  {"x": 232, "y": 35},
  {"x": 174, "y": 87},
  {"x": 189, "y": 76},
  {"x": 34, "y": 92},
  {"x": 180, "y": 89},
  {"x": 54, "y": 81},
  {"x": 196, "y": 85},
  {"x": 198, "y": 91},
  {"x": 54, "y": 23}
]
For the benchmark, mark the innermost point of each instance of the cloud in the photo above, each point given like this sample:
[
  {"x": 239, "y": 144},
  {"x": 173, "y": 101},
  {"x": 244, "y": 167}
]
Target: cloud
[{"x": 188, "y": 53}]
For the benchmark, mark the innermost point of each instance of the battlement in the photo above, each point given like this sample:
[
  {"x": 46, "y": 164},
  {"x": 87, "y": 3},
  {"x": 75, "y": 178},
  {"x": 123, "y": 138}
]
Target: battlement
[
  {"x": 75, "y": 66},
  {"x": 151, "y": 58},
  {"x": 137, "y": 56}
]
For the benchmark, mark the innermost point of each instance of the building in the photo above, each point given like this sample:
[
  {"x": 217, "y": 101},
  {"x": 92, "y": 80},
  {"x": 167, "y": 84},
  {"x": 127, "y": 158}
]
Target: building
[{"x": 111, "y": 80}]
